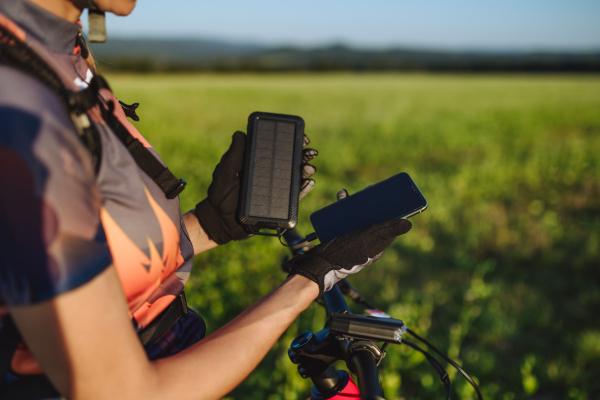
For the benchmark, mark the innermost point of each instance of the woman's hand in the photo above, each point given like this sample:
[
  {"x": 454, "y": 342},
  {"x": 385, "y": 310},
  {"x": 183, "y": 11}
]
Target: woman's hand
[
  {"x": 218, "y": 212},
  {"x": 332, "y": 261}
]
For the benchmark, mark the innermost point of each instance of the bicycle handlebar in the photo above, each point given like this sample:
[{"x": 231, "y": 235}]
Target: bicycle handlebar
[
  {"x": 353, "y": 339},
  {"x": 334, "y": 301},
  {"x": 360, "y": 361}
]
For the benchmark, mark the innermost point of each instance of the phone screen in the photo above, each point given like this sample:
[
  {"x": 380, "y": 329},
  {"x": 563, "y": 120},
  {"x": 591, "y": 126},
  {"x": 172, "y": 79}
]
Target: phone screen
[{"x": 395, "y": 197}]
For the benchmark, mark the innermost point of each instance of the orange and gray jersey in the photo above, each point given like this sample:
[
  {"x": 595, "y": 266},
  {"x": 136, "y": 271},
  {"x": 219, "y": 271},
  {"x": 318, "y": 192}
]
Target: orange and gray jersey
[{"x": 61, "y": 224}]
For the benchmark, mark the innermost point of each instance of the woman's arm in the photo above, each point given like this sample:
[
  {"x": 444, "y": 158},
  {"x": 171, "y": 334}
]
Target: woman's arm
[
  {"x": 85, "y": 342},
  {"x": 200, "y": 240}
]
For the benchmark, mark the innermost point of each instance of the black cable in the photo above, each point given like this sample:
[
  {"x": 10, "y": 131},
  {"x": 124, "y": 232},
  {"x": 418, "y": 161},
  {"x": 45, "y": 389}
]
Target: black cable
[
  {"x": 264, "y": 233},
  {"x": 434, "y": 361},
  {"x": 444, "y": 377},
  {"x": 450, "y": 361},
  {"x": 279, "y": 235}
]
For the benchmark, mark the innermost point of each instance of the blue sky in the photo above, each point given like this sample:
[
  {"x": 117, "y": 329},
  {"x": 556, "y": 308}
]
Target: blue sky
[{"x": 444, "y": 24}]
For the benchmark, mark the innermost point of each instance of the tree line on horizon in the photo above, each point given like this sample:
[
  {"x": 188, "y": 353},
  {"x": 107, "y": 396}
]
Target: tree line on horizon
[{"x": 169, "y": 55}]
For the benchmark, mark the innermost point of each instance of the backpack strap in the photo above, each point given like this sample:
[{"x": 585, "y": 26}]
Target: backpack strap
[
  {"x": 15, "y": 53},
  {"x": 161, "y": 175}
]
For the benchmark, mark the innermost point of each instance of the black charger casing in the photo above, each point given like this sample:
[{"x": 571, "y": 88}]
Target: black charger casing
[{"x": 271, "y": 183}]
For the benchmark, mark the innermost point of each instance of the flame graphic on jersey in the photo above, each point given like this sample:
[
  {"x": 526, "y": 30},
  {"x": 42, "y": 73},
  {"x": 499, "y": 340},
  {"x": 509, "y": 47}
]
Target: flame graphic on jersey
[
  {"x": 139, "y": 274},
  {"x": 172, "y": 257}
]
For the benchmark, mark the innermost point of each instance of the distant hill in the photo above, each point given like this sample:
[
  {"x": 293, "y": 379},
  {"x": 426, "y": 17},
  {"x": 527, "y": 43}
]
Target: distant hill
[
  {"x": 179, "y": 50},
  {"x": 147, "y": 55}
]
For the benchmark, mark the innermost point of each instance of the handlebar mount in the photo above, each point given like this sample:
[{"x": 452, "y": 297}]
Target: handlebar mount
[{"x": 353, "y": 338}]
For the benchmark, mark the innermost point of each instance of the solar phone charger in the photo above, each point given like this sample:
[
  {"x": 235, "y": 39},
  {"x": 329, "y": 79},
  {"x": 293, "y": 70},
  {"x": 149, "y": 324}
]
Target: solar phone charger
[{"x": 271, "y": 181}]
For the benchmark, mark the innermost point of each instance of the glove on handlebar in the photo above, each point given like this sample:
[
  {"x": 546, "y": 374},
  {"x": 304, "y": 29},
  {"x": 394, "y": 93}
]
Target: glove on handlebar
[
  {"x": 218, "y": 212},
  {"x": 329, "y": 262}
]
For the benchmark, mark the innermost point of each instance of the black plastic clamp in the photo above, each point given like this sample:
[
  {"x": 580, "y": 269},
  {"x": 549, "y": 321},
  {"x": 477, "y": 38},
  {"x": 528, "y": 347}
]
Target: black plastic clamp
[{"x": 177, "y": 189}]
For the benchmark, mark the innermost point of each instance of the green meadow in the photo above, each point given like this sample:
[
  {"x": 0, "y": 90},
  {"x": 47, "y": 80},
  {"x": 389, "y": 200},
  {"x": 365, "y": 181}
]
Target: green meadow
[{"x": 502, "y": 271}]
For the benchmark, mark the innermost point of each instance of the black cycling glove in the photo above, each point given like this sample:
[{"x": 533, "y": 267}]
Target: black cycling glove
[
  {"x": 330, "y": 262},
  {"x": 218, "y": 212}
]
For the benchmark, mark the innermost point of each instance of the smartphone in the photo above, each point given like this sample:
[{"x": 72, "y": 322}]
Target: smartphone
[
  {"x": 395, "y": 197},
  {"x": 271, "y": 178}
]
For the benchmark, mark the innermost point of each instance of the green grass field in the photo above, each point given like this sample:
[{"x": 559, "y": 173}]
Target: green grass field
[{"x": 502, "y": 271}]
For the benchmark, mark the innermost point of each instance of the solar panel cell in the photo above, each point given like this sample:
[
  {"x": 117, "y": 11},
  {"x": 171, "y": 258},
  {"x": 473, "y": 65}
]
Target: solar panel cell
[
  {"x": 273, "y": 159},
  {"x": 265, "y": 124}
]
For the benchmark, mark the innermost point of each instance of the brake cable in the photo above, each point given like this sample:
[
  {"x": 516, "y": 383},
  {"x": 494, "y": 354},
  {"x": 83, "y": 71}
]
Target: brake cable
[
  {"x": 355, "y": 295},
  {"x": 449, "y": 360},
  {"x": 444, "y": 377}
]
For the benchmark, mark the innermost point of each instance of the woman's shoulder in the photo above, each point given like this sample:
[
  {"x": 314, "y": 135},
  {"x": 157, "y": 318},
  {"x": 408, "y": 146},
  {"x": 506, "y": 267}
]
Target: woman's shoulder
[
  {"x": 22, "y": 92},
  {"x": 34, "y": 124}
]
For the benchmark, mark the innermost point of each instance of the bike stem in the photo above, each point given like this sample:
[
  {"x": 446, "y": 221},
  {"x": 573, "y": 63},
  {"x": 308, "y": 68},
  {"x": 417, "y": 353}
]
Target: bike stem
[{"x": 364, "y": 365}]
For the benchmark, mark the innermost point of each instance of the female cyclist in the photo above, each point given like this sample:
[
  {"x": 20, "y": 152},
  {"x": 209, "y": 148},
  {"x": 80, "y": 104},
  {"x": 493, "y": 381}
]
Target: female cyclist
[{"x": 94, "y": 251}]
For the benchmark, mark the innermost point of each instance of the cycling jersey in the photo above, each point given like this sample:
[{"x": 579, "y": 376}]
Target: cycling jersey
[{"x": 61, "y": 224}]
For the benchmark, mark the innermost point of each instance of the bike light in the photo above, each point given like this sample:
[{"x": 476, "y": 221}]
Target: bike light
[{"x": 363, "y": 327}]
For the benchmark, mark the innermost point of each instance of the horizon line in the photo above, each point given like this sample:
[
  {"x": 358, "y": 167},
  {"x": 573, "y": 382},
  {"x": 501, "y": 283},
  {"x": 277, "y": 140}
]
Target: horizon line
[{"x": 530, "y": 49}]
